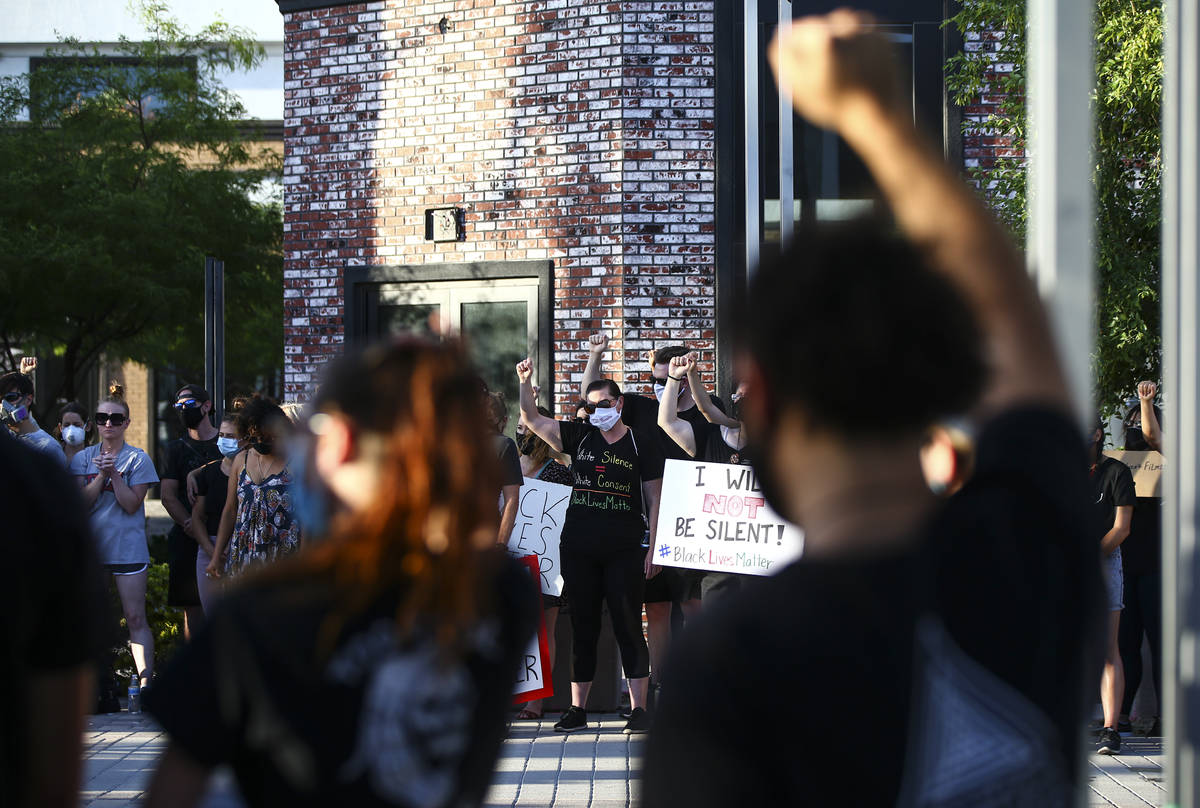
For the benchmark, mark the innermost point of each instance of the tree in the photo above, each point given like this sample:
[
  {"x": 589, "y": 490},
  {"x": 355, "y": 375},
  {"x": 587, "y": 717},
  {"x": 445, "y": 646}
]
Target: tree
[
  {"x": 125, "y": 173},
  {"x": 988, "y": 79}
]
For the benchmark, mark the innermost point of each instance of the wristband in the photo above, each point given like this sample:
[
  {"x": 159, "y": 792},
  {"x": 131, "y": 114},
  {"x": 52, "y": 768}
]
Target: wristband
[{"x": 672, "y": 378}]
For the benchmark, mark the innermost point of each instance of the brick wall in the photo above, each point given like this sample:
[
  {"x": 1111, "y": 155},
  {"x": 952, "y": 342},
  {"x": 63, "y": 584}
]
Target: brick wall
[
  {"x": 580, "y": 132},
  {"x": 983, "y": 148}
]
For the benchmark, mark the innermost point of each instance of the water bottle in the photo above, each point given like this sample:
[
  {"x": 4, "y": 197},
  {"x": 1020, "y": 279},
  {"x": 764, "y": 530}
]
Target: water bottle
[{"x": 135, "y": 695}]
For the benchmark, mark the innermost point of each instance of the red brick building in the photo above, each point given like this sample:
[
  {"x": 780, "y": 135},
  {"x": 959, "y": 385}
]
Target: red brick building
[{"x": 588, "y": 160}]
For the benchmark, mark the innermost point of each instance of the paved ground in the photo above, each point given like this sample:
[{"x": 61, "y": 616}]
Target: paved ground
[{"x": 597, "y": 768}]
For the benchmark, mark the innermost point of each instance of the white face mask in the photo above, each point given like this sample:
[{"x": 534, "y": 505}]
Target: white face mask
[
  {"x": 72, "y": 435},
  {"x": 604, "y": 418},
  {"x": 227, "y": 446},
  {"x": 659, "y": 389}
]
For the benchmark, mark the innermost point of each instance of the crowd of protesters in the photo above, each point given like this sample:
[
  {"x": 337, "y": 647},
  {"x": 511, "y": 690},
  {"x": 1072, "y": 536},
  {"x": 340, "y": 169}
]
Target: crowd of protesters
[{"x": 354, "y": 624}]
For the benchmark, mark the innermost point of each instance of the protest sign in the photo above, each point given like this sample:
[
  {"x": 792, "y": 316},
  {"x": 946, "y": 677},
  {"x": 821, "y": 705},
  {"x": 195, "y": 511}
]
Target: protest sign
[
  {"x": 1146, "y": 468},
  {"x": 533, "y": 675},
  {"x": 713, "y": 516},
  {"x": 541, "y": 509}
]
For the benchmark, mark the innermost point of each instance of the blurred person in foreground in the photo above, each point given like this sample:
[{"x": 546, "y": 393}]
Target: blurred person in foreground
[
  {"x": 51, "y": 634},
  {"x": 941, "y": 651},
  {"x": 375, "y": 667}
]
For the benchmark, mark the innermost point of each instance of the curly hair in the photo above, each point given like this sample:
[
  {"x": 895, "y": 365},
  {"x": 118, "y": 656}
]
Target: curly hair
[{"x": 850, "y": 325}]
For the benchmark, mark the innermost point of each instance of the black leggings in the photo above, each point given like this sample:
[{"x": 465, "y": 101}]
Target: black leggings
[
  {"x": 591, "y": 579},
  {"x": 1142, "y": 613}
]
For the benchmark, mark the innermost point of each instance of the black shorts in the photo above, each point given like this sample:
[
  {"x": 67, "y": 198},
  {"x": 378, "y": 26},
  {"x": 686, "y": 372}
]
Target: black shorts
[
  {"x": 673, "y": 585},
  {"x": 126, "y": 569},
  {"x": 182, "y": 591}
]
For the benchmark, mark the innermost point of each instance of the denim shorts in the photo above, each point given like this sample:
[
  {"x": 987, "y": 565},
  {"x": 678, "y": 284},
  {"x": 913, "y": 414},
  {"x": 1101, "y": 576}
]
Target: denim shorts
[{"x": 1114, "y": 580}]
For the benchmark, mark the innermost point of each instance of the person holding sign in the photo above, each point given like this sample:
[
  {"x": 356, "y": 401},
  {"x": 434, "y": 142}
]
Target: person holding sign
[
  {"x": 604, "y": 561},
  {"x": 376, "y": 666},
  {"x": 951, "y": 626}
]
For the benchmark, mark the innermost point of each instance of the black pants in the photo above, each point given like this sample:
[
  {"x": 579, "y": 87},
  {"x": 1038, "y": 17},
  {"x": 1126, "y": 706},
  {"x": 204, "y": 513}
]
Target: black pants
[
  {"x": 592, "y": 579},
  {"x": 1142, "y": 614}
]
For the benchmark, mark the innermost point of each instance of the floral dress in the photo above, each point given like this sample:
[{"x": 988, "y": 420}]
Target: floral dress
[{"x": 264, "y": 528}]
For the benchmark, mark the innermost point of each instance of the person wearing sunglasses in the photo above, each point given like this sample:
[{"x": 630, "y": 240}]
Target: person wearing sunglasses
[
  {"x": 604, "y": 561},
  {"x": 196, "y": 446},
  {"x": 16, "y": 411},
  {"x": 114, "y": 477}
]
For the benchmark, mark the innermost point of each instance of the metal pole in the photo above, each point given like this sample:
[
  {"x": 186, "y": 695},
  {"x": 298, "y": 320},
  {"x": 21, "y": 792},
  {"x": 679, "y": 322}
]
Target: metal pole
[
  {"x": 209, "y": 353},
  {"x": 1181, "y": 352},
  {"x": 787, "y": 120},
  {"x": 218, "y": 337},
  {"x": 753, "y": 203},
  {"x": 1061, "y": 79}
]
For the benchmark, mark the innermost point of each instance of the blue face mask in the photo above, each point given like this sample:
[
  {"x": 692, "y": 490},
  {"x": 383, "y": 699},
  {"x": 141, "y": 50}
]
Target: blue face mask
[
  {"x": 310, "y": 500},
  {"x": 228, "y": 446}
]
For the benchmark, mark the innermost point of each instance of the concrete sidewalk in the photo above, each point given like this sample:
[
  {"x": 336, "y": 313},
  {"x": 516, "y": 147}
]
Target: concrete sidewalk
[{"x": 595, "y": 768}]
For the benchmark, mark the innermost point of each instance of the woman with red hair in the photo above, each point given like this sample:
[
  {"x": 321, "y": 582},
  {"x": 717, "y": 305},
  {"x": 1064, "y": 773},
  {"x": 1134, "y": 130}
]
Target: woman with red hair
[{"x": 375, "y": 667}]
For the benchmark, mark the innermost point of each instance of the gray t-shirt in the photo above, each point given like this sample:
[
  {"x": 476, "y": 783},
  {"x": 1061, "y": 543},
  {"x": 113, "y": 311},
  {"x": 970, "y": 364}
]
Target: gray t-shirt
[
  {"x": 45, "y": 443},
  {"x": 120, "y": 536}
]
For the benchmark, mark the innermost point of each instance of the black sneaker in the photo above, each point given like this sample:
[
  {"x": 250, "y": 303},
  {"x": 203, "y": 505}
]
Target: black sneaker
[
  {"x": 638, "y": 723},
  {"x": 1110, "y": 742},
  {"x": 575, "y": 718},
  {"x": 1154, "y": 730},
  {"x": 1124, "y": 726}
]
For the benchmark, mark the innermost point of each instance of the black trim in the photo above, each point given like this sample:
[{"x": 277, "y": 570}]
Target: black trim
[
  {"x": 730, "y": 247},
  {"x": 362, "y": 285},
  {"x": 952, "y": 113},
  {"x": 288, "y": 6}
]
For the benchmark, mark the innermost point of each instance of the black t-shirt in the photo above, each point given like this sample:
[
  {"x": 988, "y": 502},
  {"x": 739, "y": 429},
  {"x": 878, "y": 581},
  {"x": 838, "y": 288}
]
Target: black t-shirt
[
  {"x": 53, "y": 599},
  {"x": 1141, "y": 552},
  {"x": 641, "y": 413},
  {"x": 716, "y": 450},
  {"x": 606, "y": 499},
  {"x": 213, "y": 484},
  {"x": 976, "y": 635},
  {"x": 510, "y": 461},
  {"x": 1112, "y": 488},
  {"x": 376, "y": 720},
  {"x": 182, "y": 457}
]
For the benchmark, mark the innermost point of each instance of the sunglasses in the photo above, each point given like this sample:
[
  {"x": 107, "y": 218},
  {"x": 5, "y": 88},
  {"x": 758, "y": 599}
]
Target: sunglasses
[
  {"x": 114, "y": 418},
  {"x": 188, "y": 404},
  {"x": 13, "y": 397},
  {"x": 591, "y": 406}
]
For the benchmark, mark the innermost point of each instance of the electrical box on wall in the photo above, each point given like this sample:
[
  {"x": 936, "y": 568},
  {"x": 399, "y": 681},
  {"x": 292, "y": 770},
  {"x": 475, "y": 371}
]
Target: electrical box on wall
[{"x": 445, "y": 224}]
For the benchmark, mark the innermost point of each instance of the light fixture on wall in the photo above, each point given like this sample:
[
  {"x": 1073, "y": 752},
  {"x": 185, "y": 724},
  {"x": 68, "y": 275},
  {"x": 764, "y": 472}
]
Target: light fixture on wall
[{"x": 445, "y": 224}]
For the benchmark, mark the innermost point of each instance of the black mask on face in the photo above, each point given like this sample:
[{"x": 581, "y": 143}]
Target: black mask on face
[
  {"x": 526, "y": 442},
  {"x": 190, "y": 417},
  {"x": 263, "y": 447}
]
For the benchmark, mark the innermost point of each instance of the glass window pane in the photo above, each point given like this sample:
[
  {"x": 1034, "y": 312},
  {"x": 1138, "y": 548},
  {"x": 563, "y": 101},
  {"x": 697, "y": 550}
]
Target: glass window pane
[
  {"x": 411, "y": 317},
  {"x": 498, "y": 337}
]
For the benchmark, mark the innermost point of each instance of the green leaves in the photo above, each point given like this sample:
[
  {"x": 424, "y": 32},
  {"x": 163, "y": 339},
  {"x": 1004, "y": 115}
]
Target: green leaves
[
  {"x": 1128, "y": 108},
  {"x": 127, "y": 171}
]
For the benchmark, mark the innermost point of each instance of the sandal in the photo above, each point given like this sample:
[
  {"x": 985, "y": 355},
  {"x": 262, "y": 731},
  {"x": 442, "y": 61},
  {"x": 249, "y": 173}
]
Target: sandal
[{"x": 528, "y": 715}]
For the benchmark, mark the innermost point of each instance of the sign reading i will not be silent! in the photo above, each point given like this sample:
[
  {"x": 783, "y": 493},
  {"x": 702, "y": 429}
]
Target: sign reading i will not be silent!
[{"x": 714, "y": 517}]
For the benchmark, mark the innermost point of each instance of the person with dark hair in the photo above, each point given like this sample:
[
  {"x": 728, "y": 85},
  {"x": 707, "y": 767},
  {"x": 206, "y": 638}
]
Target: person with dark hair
[
  {"x": 1141, "y": 566},
  {"x": 604, "y": 562},
  {"x": 211, "y": 483},
  {"x": 74, "y": 429},
  {"x": 258, "y": 523},
  {"x": 115, "y": 477},
  {"x": 196, "y": 447},
  {"x": 16, "y": 413},
  {"x": 375, "y": 667},
  {"x": 510, "y": 464},
  {"x": 52, "y": 634},
  {"x": 538, "y": 463},
  {"x": 965, "y": 629},
  {"x": 1114, "y": 496}
]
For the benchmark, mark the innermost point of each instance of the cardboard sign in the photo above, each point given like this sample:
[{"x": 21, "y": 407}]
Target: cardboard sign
[
  {"x": 541, "y": 509},
  {"x": 1146, "y": 468},
  {"x": 713, "y": 516},
  {"x": 533, "y": 675}
]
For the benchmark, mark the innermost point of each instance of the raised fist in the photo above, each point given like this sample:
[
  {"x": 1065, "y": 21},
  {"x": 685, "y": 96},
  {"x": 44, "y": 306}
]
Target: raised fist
[
  {"x": 1147, "y": 390},
  {"x": 833, "y": 63},
  {"x": 681, "y": 365},
  {"x": 524, "y": 370},
  {"x": 598, "y": 343},
  {"x": 28, "y": 365}
]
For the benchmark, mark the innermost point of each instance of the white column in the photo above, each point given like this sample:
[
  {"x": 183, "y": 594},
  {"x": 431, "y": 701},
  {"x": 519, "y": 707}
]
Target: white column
[
  {"x": 1181, "y": 381},
  {"x": 1060, "y": 250},
  {"x": 753, "y": 205}
]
